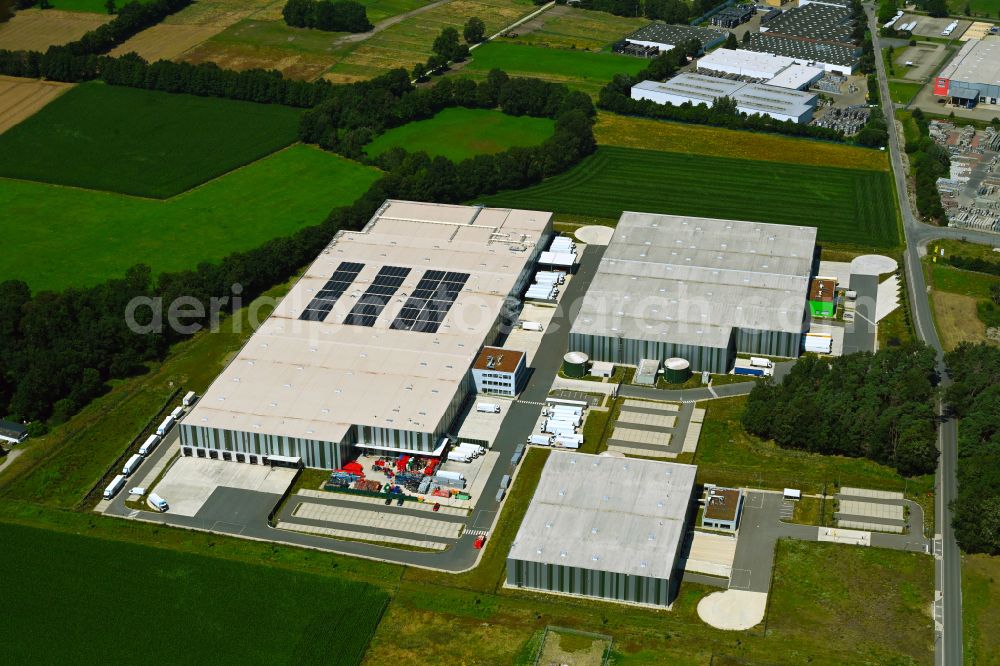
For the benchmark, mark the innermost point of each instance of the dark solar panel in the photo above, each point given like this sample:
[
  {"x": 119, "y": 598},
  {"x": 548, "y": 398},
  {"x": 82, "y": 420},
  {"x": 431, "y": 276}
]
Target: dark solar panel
[
  {"x": 366, "y": 311},
  {"x": 321, "y": 305},
  {"x": 430, "y": 302}
]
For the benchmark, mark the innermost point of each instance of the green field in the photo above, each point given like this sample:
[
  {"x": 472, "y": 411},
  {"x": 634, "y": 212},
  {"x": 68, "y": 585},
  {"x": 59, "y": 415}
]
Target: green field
[
  {"x": 93, "y": 6},
  {"x": 903, "y": 91},
  {"x": 559, "y": 64},
  {"x": 879, "y": 601},
  {"x": 141, "y": 142},
  {"x": 69, "y": 237},
  {"x": 981, "y": 8},
  {"x": 847, "y": 205},
  {"x": 459, "y": 133},
  {"x": 959, "y": 281},
  {"x": 981, "y": 609},
  {"x": 77, "y": 599}
]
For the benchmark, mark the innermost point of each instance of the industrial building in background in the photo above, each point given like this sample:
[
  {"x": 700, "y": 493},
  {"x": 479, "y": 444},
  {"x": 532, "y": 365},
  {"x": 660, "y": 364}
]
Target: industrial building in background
[
  {"x": 374, "y": 345},
  {"x": 660, "y": 37},
  {"x": 750, "y": 98},
  {"x": 772, "y": 70},
  {"x": 604, "y": 527},
  {"x": 973, "y": 75},
  {"x": 696, "y": 288},
  {"x": 837, "y": 58},
  {"x": 723, "y": 507}
]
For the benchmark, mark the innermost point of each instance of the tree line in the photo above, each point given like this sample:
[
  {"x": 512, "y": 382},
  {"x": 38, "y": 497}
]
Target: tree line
[
  {"x": 973, "y": 264},
  {"x": 338, "y": 16},
  {"x": 877, "y": 406},
  {"x": 671, "y": 11},
  {"x": 928, "y": 162},
  {"x": 974, "y": 397},
  {"x": 616, "y": 96},
  {"x": 59, "y": 350}
]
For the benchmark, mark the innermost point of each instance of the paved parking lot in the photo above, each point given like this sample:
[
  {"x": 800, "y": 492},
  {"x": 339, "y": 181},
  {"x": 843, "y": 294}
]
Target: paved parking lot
[
  {"x": 375, "y": 518},
  {"x": 646, "y": 428},
  {"x": 710, "y": 554},
  {"x": 189, "y": 482}
]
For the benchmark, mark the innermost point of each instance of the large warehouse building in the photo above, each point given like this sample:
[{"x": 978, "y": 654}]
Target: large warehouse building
[
  {"x": 751, "y": 98},
  {"x": 665, "y": 36},
  {"x": 831, "y": 57},
  {"x": 374, "y": 345},
  {"x": 697, "y": 288},
  {"x": 770, "y": 69},
  {"x": 602, "y": 527},
  {"x": 973, "y": 75}
]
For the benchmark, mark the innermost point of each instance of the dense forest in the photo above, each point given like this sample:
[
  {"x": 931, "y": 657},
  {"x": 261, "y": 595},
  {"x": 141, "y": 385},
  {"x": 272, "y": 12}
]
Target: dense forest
[
  {"x": 974, "y": 397},
  {"x": 58, "y": 350},
  {"x": 339, "y": 16},
  {"x": 878, "y": 406}
]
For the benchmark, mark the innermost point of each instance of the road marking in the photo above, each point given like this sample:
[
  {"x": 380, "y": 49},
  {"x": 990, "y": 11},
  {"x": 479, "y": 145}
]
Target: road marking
[{"x": 739, "y": 574}]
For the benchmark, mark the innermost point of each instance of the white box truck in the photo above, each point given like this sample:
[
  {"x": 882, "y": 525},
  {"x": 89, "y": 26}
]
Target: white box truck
[
  {"x": 488, "y": 408},
  {"x": 131, "y": 465},
  {"x": 162, "y": 429},
  {"x": 455, "y": 476},
  {"x": 189, "y": 398},
  {"x": 177, "y": 413},
  {"x": 758, "y": 362},
  {"x": 148, "y": 446},
  {"x": 821, "y": 344},
  {"x": 158, "y": 502},
  {"x": 566, "y": 409},
  {"x": 531, "y": 326},
  {"x": 567, "y": 443},
  {"x": 459, "y": 456},
  {"x": 474, "y": 449},
  {"x": 540, "y": 440},
  {"x": 116, "y": 484}
]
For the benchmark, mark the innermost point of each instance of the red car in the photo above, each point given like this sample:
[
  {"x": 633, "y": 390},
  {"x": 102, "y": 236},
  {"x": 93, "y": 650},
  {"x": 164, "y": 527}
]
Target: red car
[{"x": 480, "y": 540}]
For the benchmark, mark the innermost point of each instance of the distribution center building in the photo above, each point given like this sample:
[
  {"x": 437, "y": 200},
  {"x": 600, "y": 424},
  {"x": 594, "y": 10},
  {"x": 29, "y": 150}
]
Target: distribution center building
[
  {"x": 374, "y": 345},
  {"x": 771, "y": 69},
  {"x": 699, "y": 289},
  {"x": 751, "y": 98},
  {"x": 973, "y": 75},
  {"x": 603, "y": 527},
  {"x": 665, "y": 36},
  {"x": 831, "y": 57}
]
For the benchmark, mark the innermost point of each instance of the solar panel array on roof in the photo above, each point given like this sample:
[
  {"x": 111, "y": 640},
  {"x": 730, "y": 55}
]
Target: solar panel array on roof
[
  {"x": 376, "y": 297},
  {"x": 429, "y": 304},
  {"x": 321, "y": 304}
]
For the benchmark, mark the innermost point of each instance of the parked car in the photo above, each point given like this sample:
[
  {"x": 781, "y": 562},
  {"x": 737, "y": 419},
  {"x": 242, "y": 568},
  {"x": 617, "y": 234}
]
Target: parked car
[
  {"x": 437, "y": 506},
  {"x": 478, "y": 544}
]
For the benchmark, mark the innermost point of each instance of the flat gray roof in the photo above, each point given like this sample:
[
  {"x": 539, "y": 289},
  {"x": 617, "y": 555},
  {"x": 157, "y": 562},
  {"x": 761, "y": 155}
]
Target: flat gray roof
[
  {"x": 696, "y": 86},
  {"x": 835, "y": 54},
  {"x": 775, "y": 99},
  {"x": 703, "y": 88},
  {"x": 815, "y": 21},
  {"x": 977, "y": 62},
  {"x": 621, "y": 515},
  {"x": 667, "y": 33},
  {"x": 691, "y": 280},
  {"x": 316, "y": 379}
]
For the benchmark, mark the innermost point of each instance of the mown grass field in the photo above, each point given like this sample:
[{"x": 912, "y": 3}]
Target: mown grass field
[
  {"x": 629, "y": 132},
  {"x": 879, "y": 600},
  {"x": 577, "y": 68},
  {"x": 141, "y": 142},
  {"x": 568, "y": 27},
  {"x": 846, "y": 205},
  {"x": 69, "y": 237},
  {"x": 77, "y": 600},
  {"x": 981, "y": 609},
  {"x": 903, "y": 91},
  {"x": 459, "y": 133}
]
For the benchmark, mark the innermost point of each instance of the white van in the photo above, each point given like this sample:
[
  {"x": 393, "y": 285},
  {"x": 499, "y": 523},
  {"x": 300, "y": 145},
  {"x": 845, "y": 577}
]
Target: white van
[
  {"x": 158, "y": 502},
  {"x": 189, "y": 398},
  {"x": 488, "y": 407}
]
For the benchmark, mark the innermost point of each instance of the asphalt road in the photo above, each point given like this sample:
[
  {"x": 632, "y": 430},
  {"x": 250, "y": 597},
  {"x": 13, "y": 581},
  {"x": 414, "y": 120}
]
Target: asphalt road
[{"x": 948, "y": 575}]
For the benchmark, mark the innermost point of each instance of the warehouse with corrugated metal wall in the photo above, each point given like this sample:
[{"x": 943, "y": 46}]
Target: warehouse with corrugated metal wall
[
  {"x": 700, "y": 289},
  {"x": 608, "y": 528}
]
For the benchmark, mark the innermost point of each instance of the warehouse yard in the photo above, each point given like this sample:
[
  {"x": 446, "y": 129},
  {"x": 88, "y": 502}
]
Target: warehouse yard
[{"x": 846, "y": 205}]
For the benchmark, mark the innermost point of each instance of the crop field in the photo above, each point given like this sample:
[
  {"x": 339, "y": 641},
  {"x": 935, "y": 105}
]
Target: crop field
[
  {"x": 571, "y": 28},
  {"x": 846, "y": 205},
  {"x": 270, "y": 44},
  {"x": 859, "y": 591},
  {"x": 220, "y": 13},
  {"x": 582, "y": 69},
  {"x": 462, "y": 133},
  {"x": 409, "y": 41},
  {"x": 615, "y": 130},
  {"x": 78, "y": 599},
  {"x": 166, "y": 41},
  {"x": 141, "y": 142},
  {"x": 93, "y": 6},
  {"x": 35, "y": 29},
  {"x": 70, "y": 237},
  {"x": 21, "y": 98}
]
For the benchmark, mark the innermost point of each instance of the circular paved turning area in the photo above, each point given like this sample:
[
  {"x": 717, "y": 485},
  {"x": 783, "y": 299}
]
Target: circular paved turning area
[
  {"x": 734, "y": 610},
  {"x": 594, "y": 235},
  {"x": 873, "y": 264}
]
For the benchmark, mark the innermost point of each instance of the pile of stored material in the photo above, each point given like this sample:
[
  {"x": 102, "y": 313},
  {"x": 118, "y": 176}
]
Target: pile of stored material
[{"x": 970, "y": 194}]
